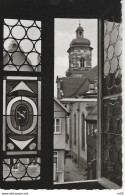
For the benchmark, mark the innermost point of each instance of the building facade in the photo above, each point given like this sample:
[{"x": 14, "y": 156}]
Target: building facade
[
  {"x": 77, "y": 131},
  {"x": 60, "y": 117}
]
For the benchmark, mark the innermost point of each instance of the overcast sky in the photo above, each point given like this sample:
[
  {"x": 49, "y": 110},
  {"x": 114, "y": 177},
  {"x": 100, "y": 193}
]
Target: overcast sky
[{"x": 64, "y": 33}]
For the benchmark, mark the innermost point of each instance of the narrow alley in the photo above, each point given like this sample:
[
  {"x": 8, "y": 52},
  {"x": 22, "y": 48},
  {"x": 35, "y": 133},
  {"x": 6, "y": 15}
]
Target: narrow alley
[{"x": 72, "y": 171}]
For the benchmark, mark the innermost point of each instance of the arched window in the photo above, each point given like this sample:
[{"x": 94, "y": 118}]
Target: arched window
[
  {"x": 80, "y": 34},
  {"x": 82, "y": 62}
]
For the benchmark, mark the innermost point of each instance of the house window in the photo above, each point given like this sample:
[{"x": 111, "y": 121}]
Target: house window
[
  {"x": 57, "y": 125},
  {"x": 82, "y": 62},
  {"x": 55, "y": 165},
  {"x": 75, "y": 129},
  {"x": 83, "y": 131}
]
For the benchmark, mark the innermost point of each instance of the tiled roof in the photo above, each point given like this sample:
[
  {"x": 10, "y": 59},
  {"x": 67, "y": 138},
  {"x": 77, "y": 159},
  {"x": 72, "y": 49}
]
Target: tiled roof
[
  {"x": 74, "y": 86},
  {"x": 93, "y": 73},
  {"x": 77, "y": 86}
]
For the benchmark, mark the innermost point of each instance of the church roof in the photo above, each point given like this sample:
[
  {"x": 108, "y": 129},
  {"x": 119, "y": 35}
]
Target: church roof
[
  {"x": 74, "y": 86},
  {"x": 92, "y": 73},
  {"x": 77, "y": 86},
  {"x": 80, "y": 41}
]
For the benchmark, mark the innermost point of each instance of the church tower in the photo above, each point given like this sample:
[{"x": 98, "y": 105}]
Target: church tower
[
  {"x": 80, "y": 55},
  {"x": 80, "y": 73}
]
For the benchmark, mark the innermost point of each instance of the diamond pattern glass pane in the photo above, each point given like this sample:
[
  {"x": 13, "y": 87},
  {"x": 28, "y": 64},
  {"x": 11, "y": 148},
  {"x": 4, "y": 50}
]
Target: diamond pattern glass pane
[
  {"x": 112, "y": 58},
  {"x": 112, "y": 104}
]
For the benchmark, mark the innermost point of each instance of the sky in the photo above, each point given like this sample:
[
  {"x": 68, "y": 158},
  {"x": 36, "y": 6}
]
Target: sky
[{"x": 64, "y": 32}]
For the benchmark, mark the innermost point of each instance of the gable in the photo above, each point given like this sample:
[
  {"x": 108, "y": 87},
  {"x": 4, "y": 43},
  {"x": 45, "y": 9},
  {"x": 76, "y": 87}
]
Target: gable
[{"x": 58, "y": 108}]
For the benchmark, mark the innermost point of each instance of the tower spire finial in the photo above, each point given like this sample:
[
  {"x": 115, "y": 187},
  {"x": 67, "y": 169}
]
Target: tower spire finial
[{"x": 79, "y": 23}]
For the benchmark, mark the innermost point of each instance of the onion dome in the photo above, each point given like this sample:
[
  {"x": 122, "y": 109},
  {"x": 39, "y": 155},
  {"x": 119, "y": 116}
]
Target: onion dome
[{"x": 80, "y": 40}]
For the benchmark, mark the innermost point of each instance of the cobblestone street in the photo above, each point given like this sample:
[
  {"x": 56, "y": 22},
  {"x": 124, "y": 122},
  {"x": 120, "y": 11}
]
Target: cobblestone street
[{"x": 72, "y": 171}]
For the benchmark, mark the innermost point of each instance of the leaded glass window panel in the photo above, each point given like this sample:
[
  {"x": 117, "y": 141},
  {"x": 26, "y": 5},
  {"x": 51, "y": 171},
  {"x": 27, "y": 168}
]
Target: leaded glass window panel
[
  {"x": 112, "y": 104},
  {"x": 112, "y": 58},
  {"x": 21, "y": 100},
  {"x": 21, "y": 169},
  {"x": 22, "y": 45},
  {"x": 21, "y": 126},
  {"x": 21, "y": 115}
]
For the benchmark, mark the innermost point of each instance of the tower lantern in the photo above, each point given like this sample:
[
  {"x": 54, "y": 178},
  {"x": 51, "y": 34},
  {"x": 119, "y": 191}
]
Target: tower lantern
[
  {"x": 79, "y": 32},
  {"x": 80, "y": 54}
]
